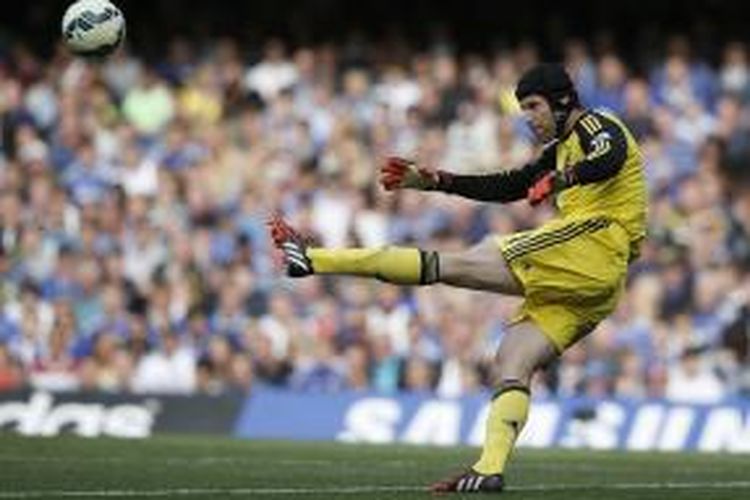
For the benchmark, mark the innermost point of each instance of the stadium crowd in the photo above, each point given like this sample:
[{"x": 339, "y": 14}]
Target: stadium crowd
[{"x": 133, "y": 197}]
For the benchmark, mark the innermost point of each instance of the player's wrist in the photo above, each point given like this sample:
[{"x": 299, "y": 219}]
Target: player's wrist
[{"x": 424, "y": 179}]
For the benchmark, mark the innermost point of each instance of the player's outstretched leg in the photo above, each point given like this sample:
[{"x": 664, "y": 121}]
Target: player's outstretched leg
[
  {"x": 524, "y": 349},
  {"x": 481, "y": 267}
]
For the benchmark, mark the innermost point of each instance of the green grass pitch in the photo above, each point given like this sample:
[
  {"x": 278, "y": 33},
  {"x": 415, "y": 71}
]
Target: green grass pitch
[{"x": 213, "y": 468}]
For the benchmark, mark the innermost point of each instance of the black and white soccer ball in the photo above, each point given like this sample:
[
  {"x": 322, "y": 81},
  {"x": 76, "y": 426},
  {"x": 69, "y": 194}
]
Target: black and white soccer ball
[{"x": 93, "y": 28}]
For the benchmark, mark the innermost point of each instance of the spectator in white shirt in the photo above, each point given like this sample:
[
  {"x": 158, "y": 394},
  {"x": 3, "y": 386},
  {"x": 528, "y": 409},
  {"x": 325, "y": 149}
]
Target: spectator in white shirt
[
  {"x": 273, "y": 74},
  {"x": 693, "y": 381},
  {"x": 169, "y": 370}
]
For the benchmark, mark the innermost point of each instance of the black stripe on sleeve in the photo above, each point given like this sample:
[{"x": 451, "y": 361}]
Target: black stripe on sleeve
[{"x": 502, "y": 187}]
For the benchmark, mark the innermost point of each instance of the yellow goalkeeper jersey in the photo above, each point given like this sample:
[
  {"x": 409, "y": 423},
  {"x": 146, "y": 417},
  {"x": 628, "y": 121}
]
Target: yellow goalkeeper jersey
[{"x": 623, "y": 197}]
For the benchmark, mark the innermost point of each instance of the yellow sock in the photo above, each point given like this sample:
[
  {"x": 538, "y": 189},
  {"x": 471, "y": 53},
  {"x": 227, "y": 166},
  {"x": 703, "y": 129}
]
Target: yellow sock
[
  {"x": 508, "y": 413},
  {"x": 402, "y": 266}
]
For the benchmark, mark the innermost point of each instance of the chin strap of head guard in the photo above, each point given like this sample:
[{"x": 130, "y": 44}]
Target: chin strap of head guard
[{"x": 551, "y": 81}]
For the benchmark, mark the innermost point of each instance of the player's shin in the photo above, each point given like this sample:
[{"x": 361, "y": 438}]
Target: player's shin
[
  {"x": 402, "y": 266},
  {"x": 508, "y": 413}
]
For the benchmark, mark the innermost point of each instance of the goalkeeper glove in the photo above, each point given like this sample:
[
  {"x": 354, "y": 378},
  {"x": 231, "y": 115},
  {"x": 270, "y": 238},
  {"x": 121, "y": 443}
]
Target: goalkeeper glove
[
  {"x": 400, "y": 173},
  {"x": 550, "y": 183}
]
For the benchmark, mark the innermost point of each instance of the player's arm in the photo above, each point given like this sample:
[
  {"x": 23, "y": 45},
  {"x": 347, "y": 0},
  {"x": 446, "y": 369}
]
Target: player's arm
[
  {"x": 605, "y": 146},
  {"x": 504, "y": 187}
]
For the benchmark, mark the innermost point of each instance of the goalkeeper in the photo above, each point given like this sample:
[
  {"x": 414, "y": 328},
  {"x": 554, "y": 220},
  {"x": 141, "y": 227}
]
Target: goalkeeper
[{"x": 570, "y": 271}]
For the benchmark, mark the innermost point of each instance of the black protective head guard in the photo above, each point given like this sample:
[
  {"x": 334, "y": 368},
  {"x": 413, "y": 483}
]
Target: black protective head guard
[{"x": 551, "y": 81}]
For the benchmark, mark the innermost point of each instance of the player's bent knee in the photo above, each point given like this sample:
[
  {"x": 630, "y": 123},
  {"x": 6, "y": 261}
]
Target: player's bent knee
[
  {"x": 512, "y": 369},
  {"x": 523, "y": 350}
]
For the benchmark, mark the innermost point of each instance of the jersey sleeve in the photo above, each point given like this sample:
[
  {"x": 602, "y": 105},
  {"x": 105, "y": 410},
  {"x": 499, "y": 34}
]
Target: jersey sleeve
[
  {"x": 604, "y": 143},
  {"x": 502, "y": 187}
]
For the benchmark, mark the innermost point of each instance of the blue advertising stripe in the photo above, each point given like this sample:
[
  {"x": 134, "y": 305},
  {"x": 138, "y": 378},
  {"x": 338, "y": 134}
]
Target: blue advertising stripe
[
  {"x": 424, "y": 419},
  {"x": 276, "y": 414}
]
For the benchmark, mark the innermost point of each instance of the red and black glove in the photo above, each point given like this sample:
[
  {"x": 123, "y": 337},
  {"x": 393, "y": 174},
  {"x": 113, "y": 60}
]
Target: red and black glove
[
  {"x": 400, "y": 173},
  {"x": 549, "y": 184}
]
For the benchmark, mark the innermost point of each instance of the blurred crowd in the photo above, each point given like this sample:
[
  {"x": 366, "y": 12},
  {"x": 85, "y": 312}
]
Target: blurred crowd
[{"x": 133, "y": 197}]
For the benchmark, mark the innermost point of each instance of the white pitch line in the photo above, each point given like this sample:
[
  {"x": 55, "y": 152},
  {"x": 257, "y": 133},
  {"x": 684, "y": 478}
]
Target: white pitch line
[
  {"x": 357, "y": 490},
  {"x": 635, "y": 486},
  {"x": 207, "y": 491}
]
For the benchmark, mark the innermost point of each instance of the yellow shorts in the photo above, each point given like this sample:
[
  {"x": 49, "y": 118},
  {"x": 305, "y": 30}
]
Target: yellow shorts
[{"x": 572, "y": 272}]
